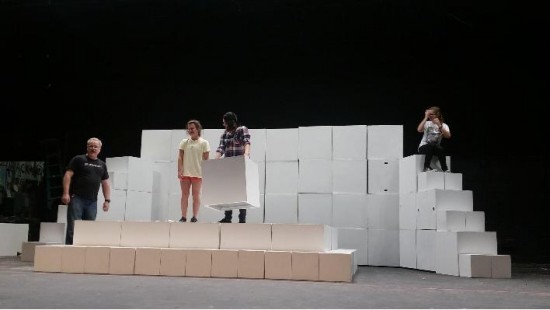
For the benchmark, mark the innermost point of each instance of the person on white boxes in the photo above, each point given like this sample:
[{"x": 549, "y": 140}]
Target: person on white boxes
[
  {"x": 235, "y": 141},
  {"x": 81, "y": 183},
  {"x": 434, "y": 129},
  {"x": 192, "y": 151}
]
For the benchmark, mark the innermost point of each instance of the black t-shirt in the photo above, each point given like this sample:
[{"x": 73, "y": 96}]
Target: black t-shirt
[{"x": 87, "y": 177}]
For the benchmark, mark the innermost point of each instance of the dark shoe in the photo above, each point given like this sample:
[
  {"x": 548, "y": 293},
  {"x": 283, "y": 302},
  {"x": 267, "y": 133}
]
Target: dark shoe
[
  {"x": 183, "y": 219},
  {"x": 242, "y": 221},
  {"x": 193, "y": 219},
  {"x": 225, "y": 220}
]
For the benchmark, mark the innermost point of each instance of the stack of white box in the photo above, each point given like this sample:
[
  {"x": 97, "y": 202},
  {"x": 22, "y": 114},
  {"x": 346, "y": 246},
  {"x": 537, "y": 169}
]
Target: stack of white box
[
  {"x": 259, "y": 250},
  {"x": 132, "y": 191},
  {"x": 439, "y": 231},
  {"x": 352, "y": 178}
]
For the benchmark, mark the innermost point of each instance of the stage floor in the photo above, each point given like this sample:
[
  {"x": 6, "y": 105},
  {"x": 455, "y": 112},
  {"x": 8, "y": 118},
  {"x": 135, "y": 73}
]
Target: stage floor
[{"x": 372, "y": 287}]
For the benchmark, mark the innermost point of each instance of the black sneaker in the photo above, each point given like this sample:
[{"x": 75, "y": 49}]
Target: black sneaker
[
  {"x": 225, "y": 220},
  {"x": 183, "y": 219},
  {"x": 193, "y": 219}
]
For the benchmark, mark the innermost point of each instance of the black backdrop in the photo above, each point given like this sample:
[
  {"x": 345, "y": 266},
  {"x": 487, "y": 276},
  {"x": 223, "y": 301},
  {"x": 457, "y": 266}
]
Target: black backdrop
[{"x": 80, "y": 68}]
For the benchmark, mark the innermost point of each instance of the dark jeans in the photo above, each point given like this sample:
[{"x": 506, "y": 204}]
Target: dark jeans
[
  {"x": 79, "y": 209},
  {"x": 431, "y": 150},
  {"x": 242, "y": 215}
]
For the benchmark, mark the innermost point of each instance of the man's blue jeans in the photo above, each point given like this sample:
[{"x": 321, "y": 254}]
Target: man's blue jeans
[{"x": 79, "y": 209}]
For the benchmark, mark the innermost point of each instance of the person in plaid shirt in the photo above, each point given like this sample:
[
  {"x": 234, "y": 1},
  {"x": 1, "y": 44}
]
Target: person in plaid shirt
[{"x": 235, "y": 141}]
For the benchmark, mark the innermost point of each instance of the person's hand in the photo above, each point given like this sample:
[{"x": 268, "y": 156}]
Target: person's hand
[
  {"x": 437, "y": 122},
  {"x": 247, "y": 155},
  {"x": 106, "y": 206},
  {"x": 65, "y": 199},
  {"x": 427, "y": 113}
]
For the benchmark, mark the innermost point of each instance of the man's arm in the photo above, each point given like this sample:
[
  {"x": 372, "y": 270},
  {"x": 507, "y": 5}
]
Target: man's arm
[
  {"x": 66, "y": 198},
  {"x": 106, "y": 186}
]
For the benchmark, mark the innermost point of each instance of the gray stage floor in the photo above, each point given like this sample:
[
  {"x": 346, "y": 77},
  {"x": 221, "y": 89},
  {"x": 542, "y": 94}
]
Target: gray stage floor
[{"x": 373, "y": 287}]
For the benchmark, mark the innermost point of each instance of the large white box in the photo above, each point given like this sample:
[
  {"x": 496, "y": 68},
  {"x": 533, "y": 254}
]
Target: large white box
[
  {"x": 281, "y": 144},
  {"x": 432, "y": 201},
  {"x": 257, "y": 144},
  {"x": 52, "y": 232},
  {"x": 245, "y": 236},
  {"x": 315, "y": 176},
  {"x": 156, "y": 144},
  {"x": 13, "y": 236},
  {"x": 349, "y": 176},
  {"x": 301, "y": 237},
  {"x": 194, "y": 235},
  {"x": 385, "y": 141},
  {"x": 140, "y": 171},
  {"x": 315, "y": 142},
  {"x": 281, "y": 208},
  {"x": 230, "y": 183},
  {"x": 97, "y": 233},
  {"x": 349, "y": 142},
  {"x": 281, "y": 177},
  {"x": 383, "y": 176},
  {"x": 449, "y": 245},
  {"x": 145, "y": 234}
]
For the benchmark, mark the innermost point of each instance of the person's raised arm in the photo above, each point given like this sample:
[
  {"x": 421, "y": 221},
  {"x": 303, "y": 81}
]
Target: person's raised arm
[{"x": 420, "y": 127}]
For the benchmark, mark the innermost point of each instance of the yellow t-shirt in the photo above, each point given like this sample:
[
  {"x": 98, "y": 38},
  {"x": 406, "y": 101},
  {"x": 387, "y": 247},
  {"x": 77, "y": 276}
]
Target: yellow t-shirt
[{"x": 192, "y": 156}]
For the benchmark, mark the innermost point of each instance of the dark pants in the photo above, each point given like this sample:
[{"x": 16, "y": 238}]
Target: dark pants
[
  {"x": 79, "y": 209},
  {"x": 242, "y": 215},
  {"x": 431, "y": 150}
]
